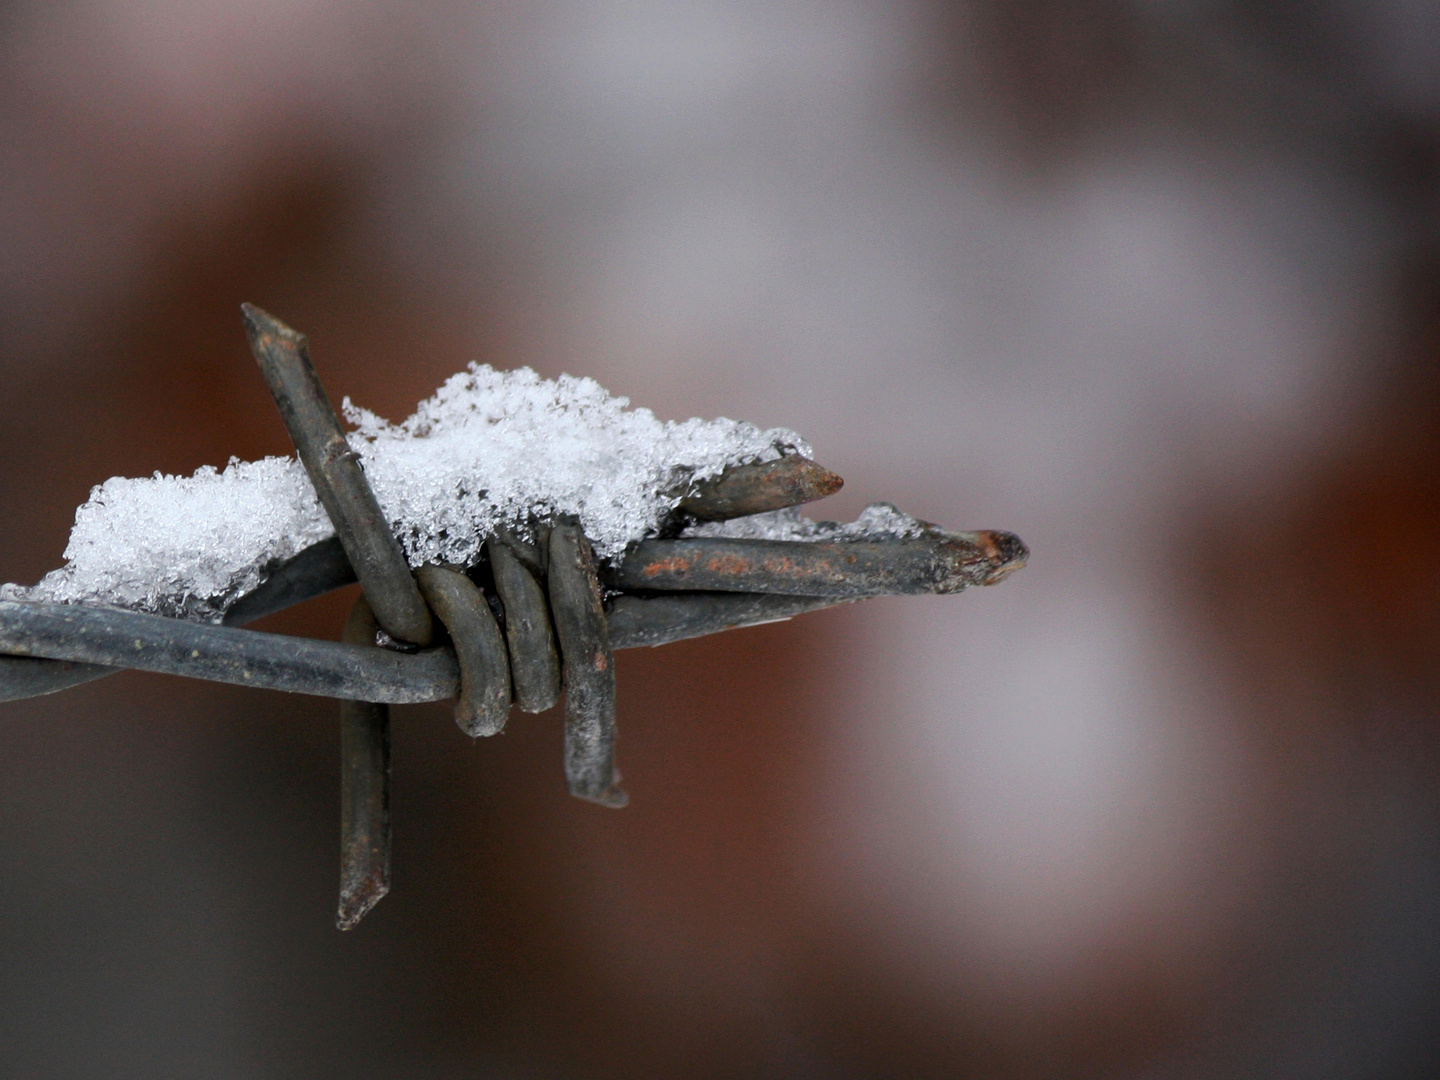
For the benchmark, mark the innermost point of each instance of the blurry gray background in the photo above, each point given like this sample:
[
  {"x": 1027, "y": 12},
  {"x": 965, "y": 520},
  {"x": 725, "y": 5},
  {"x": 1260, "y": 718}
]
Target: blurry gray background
[{"x": 1154, "y": 284}]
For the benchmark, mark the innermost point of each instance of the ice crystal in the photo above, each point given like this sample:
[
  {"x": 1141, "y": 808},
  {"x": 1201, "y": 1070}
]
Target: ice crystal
[{"x": 878, "y": 521}]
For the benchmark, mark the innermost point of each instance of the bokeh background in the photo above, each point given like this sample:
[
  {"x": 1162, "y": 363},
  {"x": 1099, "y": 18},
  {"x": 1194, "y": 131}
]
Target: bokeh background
[{"x": 1153, "y": 283}]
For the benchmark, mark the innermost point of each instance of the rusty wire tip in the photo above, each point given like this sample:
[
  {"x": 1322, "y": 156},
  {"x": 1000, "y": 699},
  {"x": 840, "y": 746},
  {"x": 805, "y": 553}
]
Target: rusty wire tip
[
  {"x": 1005, "y": 552},
  {"x": 355, "y": 904},
  {"x": 260, "y": 324},
  {"x": 612, "y": 798},
  {"x": 755, "y": 489}
]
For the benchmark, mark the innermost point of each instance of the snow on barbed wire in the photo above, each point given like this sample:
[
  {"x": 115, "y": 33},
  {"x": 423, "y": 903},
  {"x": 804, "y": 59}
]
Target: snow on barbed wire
[
  {"x": 878, "y": 521},
  {"x": 489, "y": 448}
]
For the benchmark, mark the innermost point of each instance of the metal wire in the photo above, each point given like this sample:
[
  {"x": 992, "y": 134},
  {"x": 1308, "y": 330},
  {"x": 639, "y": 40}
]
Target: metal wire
[
  {"x": 334, "y": 470},
  {"x": 84, "y": 643},
  {"x": 556, "y": 625}
]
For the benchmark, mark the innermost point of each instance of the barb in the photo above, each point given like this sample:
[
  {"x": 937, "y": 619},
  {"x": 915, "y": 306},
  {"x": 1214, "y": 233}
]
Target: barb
[
  {"x": 335, "y": 471},
  {"x": 937, "y": 563},
  {"x": 755, "y": 489},
  {"x": 392, "y": 599},
  {"x": 588, "y": 665},
  {"x": 364, "y": 791}
]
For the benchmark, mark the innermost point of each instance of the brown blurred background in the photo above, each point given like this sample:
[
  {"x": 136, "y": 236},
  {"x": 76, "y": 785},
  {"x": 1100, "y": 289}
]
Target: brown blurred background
[{"x": 1155, "y": 284}]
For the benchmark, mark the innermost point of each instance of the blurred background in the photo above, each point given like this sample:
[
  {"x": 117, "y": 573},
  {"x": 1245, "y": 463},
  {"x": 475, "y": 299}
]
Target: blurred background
[{"x": 1153, "y": 283}]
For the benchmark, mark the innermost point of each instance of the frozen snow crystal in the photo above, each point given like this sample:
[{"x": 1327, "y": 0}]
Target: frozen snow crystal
[
  {"x": 878, "y": 521},
  {"x": 184, "y": 545},
  {"x": 489, "y": 448}
]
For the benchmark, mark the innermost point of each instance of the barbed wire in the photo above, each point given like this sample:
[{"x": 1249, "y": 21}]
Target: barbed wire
[{"x": 537, "y": 616}]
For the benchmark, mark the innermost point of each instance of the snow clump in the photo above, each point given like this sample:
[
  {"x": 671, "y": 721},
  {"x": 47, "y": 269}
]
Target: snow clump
[{"x": 490, "y": 448}]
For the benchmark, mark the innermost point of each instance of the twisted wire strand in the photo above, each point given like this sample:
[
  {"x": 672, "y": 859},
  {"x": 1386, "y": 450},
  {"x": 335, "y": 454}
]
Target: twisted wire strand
[{"x": 740, "y": 583}]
